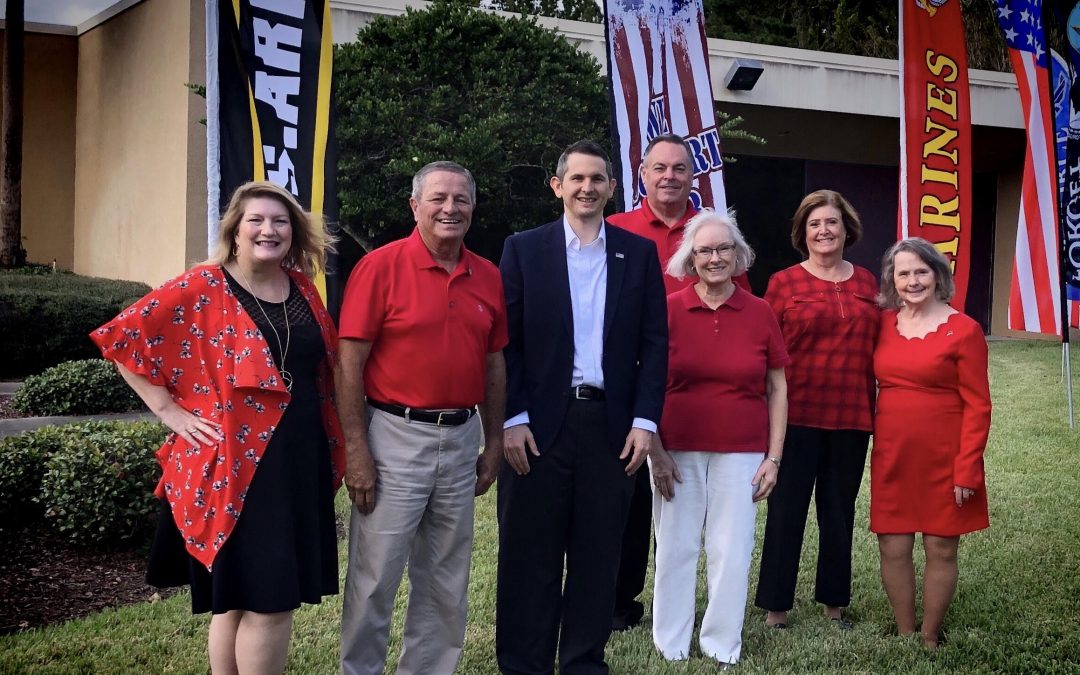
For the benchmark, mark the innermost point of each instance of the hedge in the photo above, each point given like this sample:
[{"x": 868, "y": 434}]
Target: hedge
[{"x": 46, "y": 317}]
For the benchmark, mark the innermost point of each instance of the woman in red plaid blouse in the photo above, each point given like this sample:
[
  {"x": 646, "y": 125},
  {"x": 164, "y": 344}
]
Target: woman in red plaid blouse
[{"x": 827, "y": 312}]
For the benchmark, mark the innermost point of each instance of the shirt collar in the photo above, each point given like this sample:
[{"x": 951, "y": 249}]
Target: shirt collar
[
  {"x": 655, "y": 220},
  {"x": 573, "y": 242},
  {"x": 688, "y": 299},
  {"x": 420, "y": 256}
]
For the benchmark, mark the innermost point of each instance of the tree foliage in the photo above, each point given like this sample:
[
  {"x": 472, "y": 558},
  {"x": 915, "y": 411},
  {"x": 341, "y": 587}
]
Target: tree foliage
[
  {"x": 578, "y": 10},
  {"x": 866, "y": 27},
  {"x": 500, "y": 96}
]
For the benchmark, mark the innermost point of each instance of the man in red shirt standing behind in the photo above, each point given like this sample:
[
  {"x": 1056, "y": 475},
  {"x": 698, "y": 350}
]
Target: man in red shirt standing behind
[
  {"x": 422, "y": 328},
  {"x": 667, "y": 170}
]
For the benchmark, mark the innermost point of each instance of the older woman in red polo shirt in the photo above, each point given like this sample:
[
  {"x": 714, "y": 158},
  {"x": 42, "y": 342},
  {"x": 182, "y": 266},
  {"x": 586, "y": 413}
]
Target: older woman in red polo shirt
[{"x": 723, "y": 423}]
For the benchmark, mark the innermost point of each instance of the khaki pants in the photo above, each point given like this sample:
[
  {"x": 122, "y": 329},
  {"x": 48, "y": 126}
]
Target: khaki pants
[{"x": 423, "y": 516}]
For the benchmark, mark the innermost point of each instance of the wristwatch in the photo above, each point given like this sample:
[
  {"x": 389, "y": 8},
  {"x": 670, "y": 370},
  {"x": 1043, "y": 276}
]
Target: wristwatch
[{"x": 774, "y": 460}]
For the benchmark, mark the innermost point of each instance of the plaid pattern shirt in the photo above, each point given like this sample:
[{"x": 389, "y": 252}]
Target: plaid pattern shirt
[{"x": 830, "y": 329}]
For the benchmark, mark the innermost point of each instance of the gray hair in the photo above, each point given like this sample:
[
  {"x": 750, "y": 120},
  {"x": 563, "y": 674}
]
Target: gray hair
[
  {"x": 682, "y": 261},
  {"x": 944, "y": 286},
  {"x": 452, "y": 167}
]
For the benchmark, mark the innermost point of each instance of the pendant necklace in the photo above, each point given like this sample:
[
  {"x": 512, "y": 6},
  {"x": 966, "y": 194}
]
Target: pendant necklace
[{"x": 286, "y": 376}]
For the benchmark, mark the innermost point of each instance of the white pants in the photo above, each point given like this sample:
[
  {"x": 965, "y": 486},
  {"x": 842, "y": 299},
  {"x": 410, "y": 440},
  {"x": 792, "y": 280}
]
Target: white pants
[
  {"x": 715, "y": 496},
  {"x": 424, "y": 516}
]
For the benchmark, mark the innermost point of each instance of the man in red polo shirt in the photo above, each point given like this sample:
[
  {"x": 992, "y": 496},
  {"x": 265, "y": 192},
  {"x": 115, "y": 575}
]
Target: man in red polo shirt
[
  {"x": 423, "y": 325},
  {"x": 667, "y": 170}
]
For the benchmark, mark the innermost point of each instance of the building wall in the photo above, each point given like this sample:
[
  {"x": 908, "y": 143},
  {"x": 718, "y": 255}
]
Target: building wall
[
  {"x": 137, "y": 158},
  {"x": 48, "y": 180}
]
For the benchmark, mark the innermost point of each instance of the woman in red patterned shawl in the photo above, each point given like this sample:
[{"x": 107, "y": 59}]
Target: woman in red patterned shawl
[{"x": 235, "y": 356}]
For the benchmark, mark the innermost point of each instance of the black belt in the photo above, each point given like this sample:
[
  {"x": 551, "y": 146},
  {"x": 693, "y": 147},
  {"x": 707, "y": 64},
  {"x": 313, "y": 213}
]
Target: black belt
[
  {"x": 441, "y": 418},
  {"x": 587, "y": 392}
]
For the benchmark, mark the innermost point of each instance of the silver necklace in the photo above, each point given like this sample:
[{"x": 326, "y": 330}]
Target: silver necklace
[{"x": 286, "y": 376}]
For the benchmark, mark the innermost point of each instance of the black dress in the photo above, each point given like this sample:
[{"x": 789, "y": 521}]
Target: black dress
[{"x": 283, "y": 550}]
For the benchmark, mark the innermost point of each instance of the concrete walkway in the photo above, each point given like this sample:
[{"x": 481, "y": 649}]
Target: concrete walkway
[{"x": 17, "y": 426}]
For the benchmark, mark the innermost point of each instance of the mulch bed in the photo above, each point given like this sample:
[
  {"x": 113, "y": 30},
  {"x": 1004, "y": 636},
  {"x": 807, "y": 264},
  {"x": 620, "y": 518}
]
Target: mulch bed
[
  {"x": 43, "y": 580},
  {"x": 7, "y": 412}
]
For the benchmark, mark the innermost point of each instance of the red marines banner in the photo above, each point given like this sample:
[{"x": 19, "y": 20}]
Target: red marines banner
[{"x": 935, "y": 132}]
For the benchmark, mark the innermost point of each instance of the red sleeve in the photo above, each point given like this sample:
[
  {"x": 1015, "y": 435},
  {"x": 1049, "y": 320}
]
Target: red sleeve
[
  {"x": 974, "y": 386},
  {"x": 363, "y": 308},
  {"x": 145, "y": 337},
  {"x": 778, "y": 355},
  {"x": 777, "y": 295},
  {"x": 500, "y": 335}
]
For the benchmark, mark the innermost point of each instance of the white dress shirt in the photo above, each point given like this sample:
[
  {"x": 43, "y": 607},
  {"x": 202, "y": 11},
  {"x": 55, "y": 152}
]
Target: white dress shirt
[{"x": 586, "y": 266}]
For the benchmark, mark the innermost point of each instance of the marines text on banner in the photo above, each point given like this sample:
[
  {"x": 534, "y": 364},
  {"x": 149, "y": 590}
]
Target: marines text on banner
[
  {"x": 658, "y": 61},
  {"x": 935, "y": 133},
  {"x": 268, "y": 100}
]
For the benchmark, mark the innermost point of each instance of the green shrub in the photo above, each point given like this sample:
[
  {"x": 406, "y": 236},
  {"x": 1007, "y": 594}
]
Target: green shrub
[
  {"x": 85, "y": 387},
  {"x": 22, "y": 464},
  {"x": 46, "y": 317},
  {"x": 98, "y": 487}
]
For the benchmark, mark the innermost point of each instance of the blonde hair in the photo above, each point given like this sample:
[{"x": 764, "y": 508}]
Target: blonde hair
[{"x": 310, "y": 240}]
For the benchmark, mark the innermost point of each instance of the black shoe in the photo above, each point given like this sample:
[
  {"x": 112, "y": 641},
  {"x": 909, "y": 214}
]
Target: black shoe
[
  {"x": 627, "y": 617},
  {"x": 843, "y": 624}
]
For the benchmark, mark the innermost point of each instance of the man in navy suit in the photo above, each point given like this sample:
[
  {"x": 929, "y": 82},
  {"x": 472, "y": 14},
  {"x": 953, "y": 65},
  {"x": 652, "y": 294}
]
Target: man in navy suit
[{"x": 586, "y": 369}]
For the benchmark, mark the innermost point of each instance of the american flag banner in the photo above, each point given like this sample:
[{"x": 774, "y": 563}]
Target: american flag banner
[
  {"x": 658, "y": 61},
  {"x": 1034, "y": 297}
]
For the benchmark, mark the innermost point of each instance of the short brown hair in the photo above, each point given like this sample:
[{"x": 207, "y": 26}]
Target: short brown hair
[
  {"x": 848, "y": 214},
  {"x": 310, "y": 240}
]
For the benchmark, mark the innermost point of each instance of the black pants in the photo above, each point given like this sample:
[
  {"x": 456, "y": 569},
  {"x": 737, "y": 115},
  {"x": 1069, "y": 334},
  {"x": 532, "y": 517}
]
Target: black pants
[
  {"x": 634, "y": 561},
  {"x": 571, "y": 506},
  {"x": 828, "y": 463}
]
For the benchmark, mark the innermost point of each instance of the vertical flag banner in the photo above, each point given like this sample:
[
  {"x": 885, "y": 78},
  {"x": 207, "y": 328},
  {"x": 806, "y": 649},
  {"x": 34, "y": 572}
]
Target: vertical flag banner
[
  {"x": 1071, "y": 190},
  {"x": 1061, "y": 86},
  {"x": 1034, "y": 296},
  {"x": 269, "y": 65},
  {"x": 935, "y": 133},
  {"x": 658, "y": 61}
]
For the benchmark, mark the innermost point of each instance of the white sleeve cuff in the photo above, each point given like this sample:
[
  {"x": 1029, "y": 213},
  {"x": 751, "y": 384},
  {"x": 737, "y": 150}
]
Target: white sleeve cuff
[
  {"x": 520, "y": 418},
  {"x": 642, "y": 423}
]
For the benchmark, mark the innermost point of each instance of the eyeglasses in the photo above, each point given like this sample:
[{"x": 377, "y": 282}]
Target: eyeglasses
[{"x": 706, "y": 252}]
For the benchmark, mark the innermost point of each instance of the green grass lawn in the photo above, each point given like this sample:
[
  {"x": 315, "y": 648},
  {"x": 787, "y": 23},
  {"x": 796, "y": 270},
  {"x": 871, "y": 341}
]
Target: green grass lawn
[{"x": 1015, "y": 610}]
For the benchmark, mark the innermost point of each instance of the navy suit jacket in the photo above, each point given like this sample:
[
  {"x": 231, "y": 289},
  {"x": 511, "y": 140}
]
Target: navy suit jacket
[{"x": 540, "y": 356}]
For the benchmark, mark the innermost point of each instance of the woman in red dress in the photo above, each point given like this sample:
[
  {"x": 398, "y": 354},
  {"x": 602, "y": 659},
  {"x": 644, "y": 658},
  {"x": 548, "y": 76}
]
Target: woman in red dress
[{"x": 933, "y": 418}]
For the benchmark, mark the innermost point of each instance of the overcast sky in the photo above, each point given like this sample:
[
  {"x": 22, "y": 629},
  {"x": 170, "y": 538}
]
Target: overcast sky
[{"x": 62, "y": 12}]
